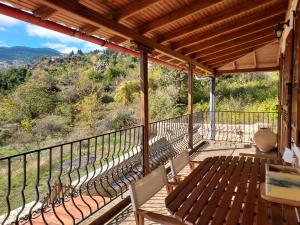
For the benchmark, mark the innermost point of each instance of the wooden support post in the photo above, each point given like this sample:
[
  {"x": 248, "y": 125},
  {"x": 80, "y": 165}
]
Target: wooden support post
[
  {"x": 212, "y": 108},
  {"x": 190, "y": 106},
  {"x": 144, "y": 51}
]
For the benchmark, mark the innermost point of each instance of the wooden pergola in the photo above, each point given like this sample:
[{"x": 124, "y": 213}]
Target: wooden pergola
[
  {"x": 204, "y": 38},
  {"x": 215, "y": 36}
]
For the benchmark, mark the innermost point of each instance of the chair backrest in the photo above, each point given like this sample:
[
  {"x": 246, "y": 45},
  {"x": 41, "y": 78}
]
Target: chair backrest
[
  {"x": 179, "y": 162},
  {"x": 143, "y": 189}
]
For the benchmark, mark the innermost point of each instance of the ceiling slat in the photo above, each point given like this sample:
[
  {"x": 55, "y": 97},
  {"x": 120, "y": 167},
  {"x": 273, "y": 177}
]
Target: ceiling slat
[
  {"x": 234, "y": 56},
  {"x": 231, "y": 12},
  {"x": 245, "y": 21},
  {"x": 223, "y": 54},
  {"x": 237, "y": 42},
  {"x": 176, "y": 15},
  {"x": 265, "y": 25},
  {"x": 132, "y": 9}
]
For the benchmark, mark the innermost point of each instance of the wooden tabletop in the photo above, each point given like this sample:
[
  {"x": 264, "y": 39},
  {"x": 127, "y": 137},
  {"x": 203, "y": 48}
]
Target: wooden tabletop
[{"x": 225, "y": 190}]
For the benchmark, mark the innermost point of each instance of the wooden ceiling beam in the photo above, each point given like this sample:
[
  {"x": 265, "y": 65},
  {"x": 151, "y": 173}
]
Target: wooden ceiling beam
[
  {"x": 132, "y": 9},
  {"x": 242, "y": 42},
  {"x": 266, "y": 25},
  {"x": 245, "y": 21},
  {"x": 44, "y": 12},
  {"x": 234, "y": 56},
  {"x": 187, "y": 10},
  {"x": 223, "y": 54},
  {"x": 94, "y": 18},
  {"x": 117, "y": 39},
  {"x": 264, "y": 69},
  {"x": 208, "y": 20}
]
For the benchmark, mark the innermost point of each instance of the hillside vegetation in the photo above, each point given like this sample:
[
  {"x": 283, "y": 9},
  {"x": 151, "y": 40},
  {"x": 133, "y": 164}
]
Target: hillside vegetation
[{"x": 72, "y": 97}]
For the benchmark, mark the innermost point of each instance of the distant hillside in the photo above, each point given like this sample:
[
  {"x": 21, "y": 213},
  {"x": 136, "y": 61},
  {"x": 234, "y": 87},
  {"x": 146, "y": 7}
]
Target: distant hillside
[{"x": 25, "y": 53}]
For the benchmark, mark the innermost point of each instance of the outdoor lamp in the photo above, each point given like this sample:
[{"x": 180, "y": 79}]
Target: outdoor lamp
[{"x": 280, "y": 27}]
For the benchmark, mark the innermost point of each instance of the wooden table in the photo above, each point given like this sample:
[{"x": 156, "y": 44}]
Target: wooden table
[{"x": 225, "y": 190}]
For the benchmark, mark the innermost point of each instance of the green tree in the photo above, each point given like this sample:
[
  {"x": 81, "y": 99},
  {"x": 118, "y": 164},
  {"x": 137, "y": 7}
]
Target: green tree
[{"x": 11, "y": 78}]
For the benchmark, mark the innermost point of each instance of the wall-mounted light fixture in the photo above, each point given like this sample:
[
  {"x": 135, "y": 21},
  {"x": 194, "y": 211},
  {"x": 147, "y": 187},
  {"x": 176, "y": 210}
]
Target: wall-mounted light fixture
[{"x": 279, "y": 29}]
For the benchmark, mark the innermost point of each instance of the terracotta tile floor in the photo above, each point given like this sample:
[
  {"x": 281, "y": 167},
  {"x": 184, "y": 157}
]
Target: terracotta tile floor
[
  {"x": 157, "y": 204},
  {"x": 77, "y": 209}
]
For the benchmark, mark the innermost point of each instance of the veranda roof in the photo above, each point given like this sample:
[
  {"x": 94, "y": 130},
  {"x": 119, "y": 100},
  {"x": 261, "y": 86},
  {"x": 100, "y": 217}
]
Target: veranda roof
[{"x": 213, "y": 35}]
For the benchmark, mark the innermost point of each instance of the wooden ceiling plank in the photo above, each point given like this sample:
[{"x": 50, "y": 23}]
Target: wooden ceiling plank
[
  {"x": 94, "y": 18},
  {"x": 187, "y": 10},
  {"x": 267, "y": 25},
  {"x": 233, "y": 50},
  {"x": 44, "y": 12},
  {"x": 88, "y": 29},
  {"x": 240, "y": 42},
  {"x": 234, "y": 56},
  {"x": 245, "y": 21},
  {"x": 132, "y": 9},
  {"x": 229, "y": 13}
]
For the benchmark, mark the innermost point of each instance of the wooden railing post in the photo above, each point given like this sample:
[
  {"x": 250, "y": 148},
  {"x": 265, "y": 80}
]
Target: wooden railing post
[
  {"x": 144, "y": 51},
  {"x": 190, "y": 105}
]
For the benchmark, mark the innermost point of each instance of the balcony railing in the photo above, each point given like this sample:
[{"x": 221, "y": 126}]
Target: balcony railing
[
  {"x": 69, "y": 182},
  {"x": 233, "y": 126}
]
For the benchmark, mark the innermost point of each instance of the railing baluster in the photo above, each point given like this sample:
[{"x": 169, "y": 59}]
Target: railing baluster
[{"x": 8, "y": 190}]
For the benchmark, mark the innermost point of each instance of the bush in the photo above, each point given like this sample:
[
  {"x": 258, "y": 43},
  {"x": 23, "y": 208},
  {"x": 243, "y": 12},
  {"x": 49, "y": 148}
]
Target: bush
[
  {"x": 11, "y": 78},
  {"x": 110, "y": 74},
  {"x": 50, "y": 126},
  {"x": 67, "y": 111},
  {"x": 4, "y": 135},
  {"x": 126, "y": 91},
  {"x": 122, "y": 120}
]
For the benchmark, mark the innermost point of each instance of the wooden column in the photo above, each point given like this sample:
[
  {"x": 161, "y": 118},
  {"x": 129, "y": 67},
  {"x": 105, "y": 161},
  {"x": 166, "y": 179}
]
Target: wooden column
[
  {"x": 190, "y": 105},
  {"x": 212, "y": 107},
  {"x": 144, "y": 51}
]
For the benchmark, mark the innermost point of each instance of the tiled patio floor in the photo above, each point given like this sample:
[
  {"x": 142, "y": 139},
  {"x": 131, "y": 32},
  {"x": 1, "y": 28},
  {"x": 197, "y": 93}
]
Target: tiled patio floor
[{"x": 157, "y": 204}]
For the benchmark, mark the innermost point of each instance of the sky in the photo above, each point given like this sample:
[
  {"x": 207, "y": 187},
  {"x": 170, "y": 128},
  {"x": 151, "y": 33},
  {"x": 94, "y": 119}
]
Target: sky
[{"x": 18, "y": 33}]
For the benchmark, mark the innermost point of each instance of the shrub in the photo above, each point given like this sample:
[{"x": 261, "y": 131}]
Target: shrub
[
  {"x": 11, "y": 78},
  {"x": 126, "y": 91},
  {"x": 4, "y": 135},
  {"x": 50, "y": 126},
  {"x": 110, "y": 74},
  {"x": 121, "y": 121}
]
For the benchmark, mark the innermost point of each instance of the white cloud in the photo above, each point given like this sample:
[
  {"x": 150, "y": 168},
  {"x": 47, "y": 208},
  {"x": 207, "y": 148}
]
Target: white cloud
[
  {"x": 6, "y": 21},
  {"x": 2, "y": 29},
  {"x": 2, "y": 44},
  {"x": 33, "y": 30},
  {"x": 63, "y": 48}
]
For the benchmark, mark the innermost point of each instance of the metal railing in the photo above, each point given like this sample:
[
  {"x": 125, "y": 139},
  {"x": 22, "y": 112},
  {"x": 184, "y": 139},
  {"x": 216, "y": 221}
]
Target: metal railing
[
  {"x": 81, "y": 177},
  {"x": 78, "y": 178},
  {"x": 233, "y": 126}
]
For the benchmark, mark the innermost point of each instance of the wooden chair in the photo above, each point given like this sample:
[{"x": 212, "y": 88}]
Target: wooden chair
[
  {"x": 142, "y": 190},
  {"x": 179, "y": 162}
]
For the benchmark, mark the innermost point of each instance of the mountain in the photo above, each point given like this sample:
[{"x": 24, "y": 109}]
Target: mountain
[{"x": 25, "y": 54}]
